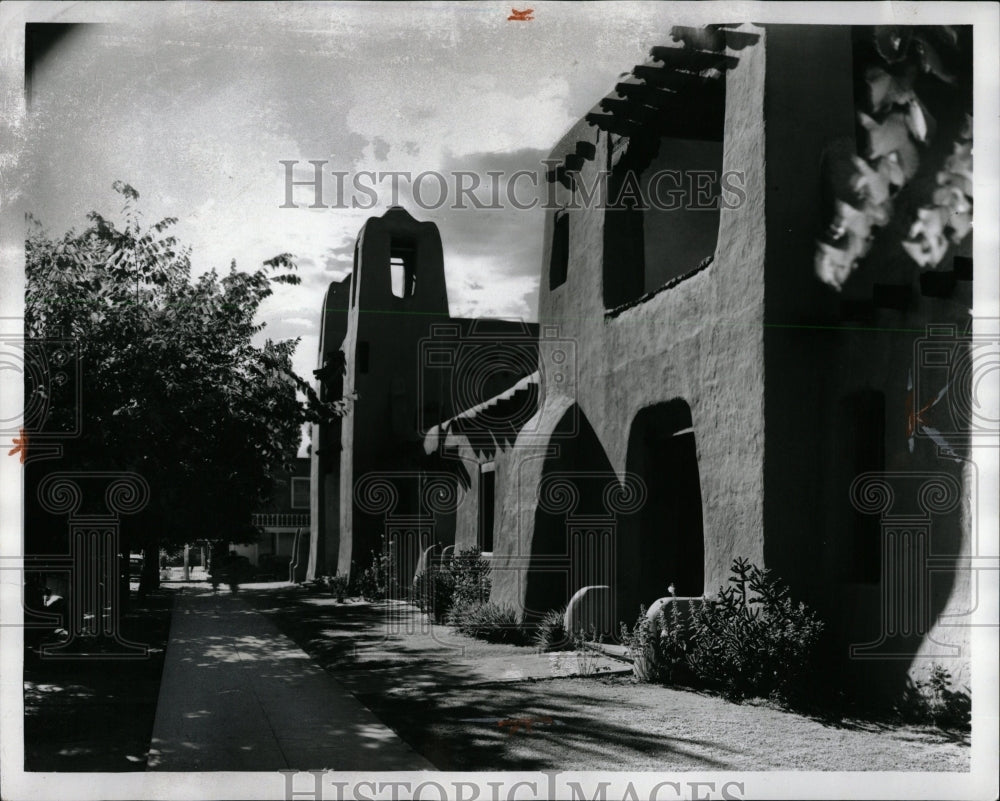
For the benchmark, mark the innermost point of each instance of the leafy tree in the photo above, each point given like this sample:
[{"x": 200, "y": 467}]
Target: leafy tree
[{"x": 173, "y": 386}]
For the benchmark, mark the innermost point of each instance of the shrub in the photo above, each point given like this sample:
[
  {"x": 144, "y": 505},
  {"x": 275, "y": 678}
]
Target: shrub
[
  {"x": 933, "y": 700},
  {"x": 472, "y": 577},
  {"x": 642, "y": 644},
  {"x": 487, "y": 621},
  {"x": 752, "y": 640},
  {"x": 434, "y": 589},
  {"x": 659, "y": 646},
  {"x": 337, "y": 586},
  {"x": 460, "y": 579},
  {"x": 550, "y": 634},
  {"x": 380, "y": 579}
]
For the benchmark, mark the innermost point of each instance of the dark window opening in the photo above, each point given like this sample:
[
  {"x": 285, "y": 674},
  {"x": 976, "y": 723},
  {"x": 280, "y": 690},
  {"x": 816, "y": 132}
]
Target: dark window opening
[
  {"x": 864, "y": 416},
  {"x": 963, "y": 268},
  {"x": 662, "y": 219},
  {"x": 402, "y": 269},
  {"x": 559, "y": 262},
  {"x": 300, "y": 493},
  {"x": 354, "y": 278},
  {"x": 938, "y": 285},
  {"x": 363, "y": 356},
  {"x": 487, "y": 507}
]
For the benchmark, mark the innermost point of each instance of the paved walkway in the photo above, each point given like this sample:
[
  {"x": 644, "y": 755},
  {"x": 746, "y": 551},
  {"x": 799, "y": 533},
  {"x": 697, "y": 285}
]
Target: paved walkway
[{"x": 238, "y": 695}]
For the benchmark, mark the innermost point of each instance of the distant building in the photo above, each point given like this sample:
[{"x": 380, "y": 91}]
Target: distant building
[
  {"x": 283, "y": 520},
  {"x": 411, "y": 365}
]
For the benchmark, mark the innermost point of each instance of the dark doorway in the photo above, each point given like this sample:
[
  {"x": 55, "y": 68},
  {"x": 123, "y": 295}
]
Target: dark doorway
[
  {"x": 572, "y": 521},
  {"x": 663, "y": 543},
  {"x": 487, "y": 507}
]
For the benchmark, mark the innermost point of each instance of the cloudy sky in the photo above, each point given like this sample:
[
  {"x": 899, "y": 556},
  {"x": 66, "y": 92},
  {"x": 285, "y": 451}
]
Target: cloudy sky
[{"x": 197, "y": 105}]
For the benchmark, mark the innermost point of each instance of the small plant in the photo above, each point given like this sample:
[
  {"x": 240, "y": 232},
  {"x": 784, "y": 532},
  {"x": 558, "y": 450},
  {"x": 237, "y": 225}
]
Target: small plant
[
  {"x": 550, "y": 635},
  {"x": 434, "y": 589},
  {"x": 587, "y": 652},
  {"x": 487, "y": 621},
  {"x": 337, "y": 586},
  {"x": 642, "y": 642},
  {"x": 934, "y": 700},
  {"x": 380, "y": 580}
]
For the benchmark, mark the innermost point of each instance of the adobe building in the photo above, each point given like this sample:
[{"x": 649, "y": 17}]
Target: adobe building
[
  {"x": 410, "y": 364},
  {"x": 775, "y": 367},
  {"x": 706, "y": 394}
]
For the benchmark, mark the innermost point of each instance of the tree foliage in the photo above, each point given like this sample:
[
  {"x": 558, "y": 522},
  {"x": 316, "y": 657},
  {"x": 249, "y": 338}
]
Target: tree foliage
[{"x": 174, "y": 387}]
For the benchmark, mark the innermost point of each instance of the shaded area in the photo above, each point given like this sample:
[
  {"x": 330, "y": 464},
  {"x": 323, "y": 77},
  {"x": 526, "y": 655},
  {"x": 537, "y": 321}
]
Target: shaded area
[
  {"x": 237, "y": 695},
  {"x": 609, "y": 723},
  {"x": 458, "y": 703},
  {"x": 392, "y": 648},
  {"x": 96, "y": 715}
]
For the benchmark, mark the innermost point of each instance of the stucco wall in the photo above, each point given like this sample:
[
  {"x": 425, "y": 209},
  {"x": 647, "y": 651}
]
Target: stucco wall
[
  {"x": 816, "y": 358},
  {"x": 380, "y": 431},
  {"x": 423, "y": 366},
  {"x": 324, "y": 485},
  {"x": 701, "y": 341}
]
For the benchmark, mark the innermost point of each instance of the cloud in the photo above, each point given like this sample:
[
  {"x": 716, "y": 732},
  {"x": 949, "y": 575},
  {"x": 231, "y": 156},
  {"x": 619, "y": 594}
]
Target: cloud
[
  {"x": 339, "y": 265},
  {"x": 450, "y": 118},
  {"x": 346, "y": 249},
  {"x": 222, "y": 95}
]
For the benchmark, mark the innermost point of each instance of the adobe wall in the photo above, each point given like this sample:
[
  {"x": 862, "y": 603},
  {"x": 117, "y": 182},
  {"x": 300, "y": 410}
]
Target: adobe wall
[
  {"x": 817, "y": 359},
  {"x": 423, "y": 366},
  {"x": 324, "y": 473},
  {"x": 380, "y": 431},
  {"x": 700, "y": 341}
]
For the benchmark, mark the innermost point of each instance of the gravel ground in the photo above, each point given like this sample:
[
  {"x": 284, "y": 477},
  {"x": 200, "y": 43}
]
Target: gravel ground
[
  {"x": 612, "y": 723},
  {"x": 419, "y": 684}
]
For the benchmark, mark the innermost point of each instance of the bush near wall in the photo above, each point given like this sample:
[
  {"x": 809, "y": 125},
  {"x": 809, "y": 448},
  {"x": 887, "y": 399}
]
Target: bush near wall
[
  {"x": 551, "y": 633},
  {"x": 936, "y": 700},
  {"x": 380, "y": 580},
  {"x": 459, "y": 580},
  {"x": 456, "y": 590},
  {"x": 751, "y": 640}
]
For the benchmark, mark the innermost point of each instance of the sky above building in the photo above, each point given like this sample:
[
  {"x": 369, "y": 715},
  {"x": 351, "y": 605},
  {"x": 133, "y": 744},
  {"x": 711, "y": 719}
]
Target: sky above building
[{"x": 196, "y": 106}]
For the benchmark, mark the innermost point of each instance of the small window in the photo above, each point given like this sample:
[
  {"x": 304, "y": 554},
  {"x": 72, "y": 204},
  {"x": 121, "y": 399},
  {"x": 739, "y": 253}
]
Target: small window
[
  {"x": 402, "y": 269},
  {"x": 363, "y": 355},
  {"x": 300, "y": 493},
  {"x": 354, "y": 278},
  {"x": 559, "y": 262},
  {"x": 487, "y": 506}
]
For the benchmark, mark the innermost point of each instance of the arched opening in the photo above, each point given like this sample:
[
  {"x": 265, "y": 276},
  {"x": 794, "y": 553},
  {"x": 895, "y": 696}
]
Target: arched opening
[
  {"x": 572, "y": 545},
  {"x": 662, "y": 544}
]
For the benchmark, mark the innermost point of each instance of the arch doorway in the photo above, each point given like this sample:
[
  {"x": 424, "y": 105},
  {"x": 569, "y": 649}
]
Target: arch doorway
[{"x": 663, "y": 542}]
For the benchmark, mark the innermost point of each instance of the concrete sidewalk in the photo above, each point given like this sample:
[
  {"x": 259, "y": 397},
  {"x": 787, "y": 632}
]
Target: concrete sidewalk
[{"x": 238, "y": 695}]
